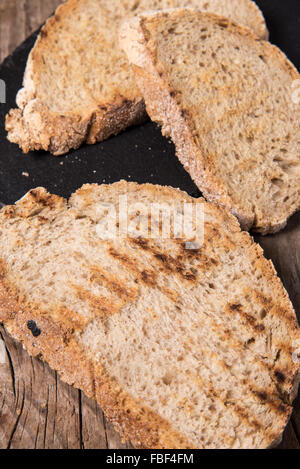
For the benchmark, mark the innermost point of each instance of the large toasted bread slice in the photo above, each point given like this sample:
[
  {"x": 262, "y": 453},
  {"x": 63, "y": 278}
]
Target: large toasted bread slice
[
  {"x": 78, "y": 86},
  {"x": 183, "y": 344},
  {"x": 226, "y": 99}
]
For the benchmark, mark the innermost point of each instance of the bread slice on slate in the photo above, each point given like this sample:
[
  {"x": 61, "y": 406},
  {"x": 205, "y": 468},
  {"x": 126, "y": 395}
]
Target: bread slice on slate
[
  {"x": 225, "y": 98},
  {"x": 78, "y": 86},
  {"x": 183, "y": 344}
]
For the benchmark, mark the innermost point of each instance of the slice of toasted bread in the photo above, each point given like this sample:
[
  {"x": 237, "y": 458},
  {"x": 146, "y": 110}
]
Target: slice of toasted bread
[
  {"x": 226, "y": 99},
  {"x": 78, "y": 86},
  {"x": 183, "y": 343}
]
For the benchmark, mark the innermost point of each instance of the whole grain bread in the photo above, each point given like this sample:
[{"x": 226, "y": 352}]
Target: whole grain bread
[
  {"x": 184, "y": 344},
  {"x": 226, "y": 99},
  {"x": 78, "y": 86}
]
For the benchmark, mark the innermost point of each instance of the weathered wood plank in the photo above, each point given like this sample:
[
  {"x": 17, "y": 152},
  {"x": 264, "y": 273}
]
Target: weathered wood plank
[
  {"x": 38, "y": 410},
  {"x": 19, "y": 18}
]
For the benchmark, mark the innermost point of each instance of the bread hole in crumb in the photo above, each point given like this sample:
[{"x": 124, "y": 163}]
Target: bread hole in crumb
[
  {"x": 135, "y": 5},
  {"x": 167, "y": 379},
  {"x": 263, "y": 314},
  {"x": 263, "y": 59},
  {"x": 291, "y": 168},
  {"x": 278, "y": 159},
  {"x": 277, "y": 182},
  {"x": 223, "y": 24},
  {"x": 250, "y": 341}
]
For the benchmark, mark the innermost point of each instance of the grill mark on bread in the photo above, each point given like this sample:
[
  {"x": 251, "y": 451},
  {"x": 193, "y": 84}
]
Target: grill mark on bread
[
  {"x": 268, "y": 304},
  {"x": 233, "y": 342},
  {"x": 114, "y": 283},
  {"x": 232, "y": 308},
  {"x": 237, "y": 409},
  {"x": 280, "y": 376},
  {"x": 168, "y": 264},
  {"x": 146, "y": 276},
  {"x": 100, "y": 305},
  {"x": 268, "y": 398},
  {"x": 271, "y": 400}
]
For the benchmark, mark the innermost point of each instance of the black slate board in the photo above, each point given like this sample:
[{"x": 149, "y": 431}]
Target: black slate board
[{"x": 140, "y": 154}]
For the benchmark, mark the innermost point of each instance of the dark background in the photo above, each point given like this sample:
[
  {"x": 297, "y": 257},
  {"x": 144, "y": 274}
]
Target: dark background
[{"x": 140, "y": 154}]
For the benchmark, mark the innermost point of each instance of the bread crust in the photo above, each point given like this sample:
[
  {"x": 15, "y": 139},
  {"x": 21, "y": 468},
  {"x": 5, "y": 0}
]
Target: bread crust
[
  {"x": 57, "y": 343},
  {"x": 34, "y": 126},
  {"x": 163, "y": 108}
]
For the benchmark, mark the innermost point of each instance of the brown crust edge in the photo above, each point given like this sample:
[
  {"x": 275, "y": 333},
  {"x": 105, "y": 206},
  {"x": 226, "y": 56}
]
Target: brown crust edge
[
  {"x": 60, "y": 134},
  {"x": 162, "y": 107},
  {"x": 261, "y": 22}
]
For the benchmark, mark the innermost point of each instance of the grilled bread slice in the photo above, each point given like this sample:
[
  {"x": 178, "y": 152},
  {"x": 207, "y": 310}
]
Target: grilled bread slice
[
  {"x": 184, "y": 344},
  {"x": 226, "y": 99},
  {"x": 78, "y": 86}
]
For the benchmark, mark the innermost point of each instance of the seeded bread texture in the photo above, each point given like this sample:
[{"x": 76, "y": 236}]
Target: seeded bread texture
[
  {"x": 78, "y": 86},
  {"x": 181, "y": 347},
  {"x": 225, "y": 98}
]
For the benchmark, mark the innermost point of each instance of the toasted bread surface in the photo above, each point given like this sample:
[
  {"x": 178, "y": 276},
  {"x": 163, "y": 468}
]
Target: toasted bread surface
[
  {"x": 78, "y": 86},
  {"x": 226, "y": 99},
  {"x": 184, "y": 345}
]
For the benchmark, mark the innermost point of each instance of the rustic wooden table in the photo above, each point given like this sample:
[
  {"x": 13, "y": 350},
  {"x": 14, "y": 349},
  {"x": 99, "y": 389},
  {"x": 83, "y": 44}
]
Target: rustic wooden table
[{"x": 37, "y": 410}]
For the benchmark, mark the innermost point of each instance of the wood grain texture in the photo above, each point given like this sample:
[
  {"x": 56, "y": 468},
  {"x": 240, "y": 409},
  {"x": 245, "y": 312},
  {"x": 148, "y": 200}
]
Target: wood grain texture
[
  {"x": 37, "y": 410},
  {"x": 19, "y": 18}
]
